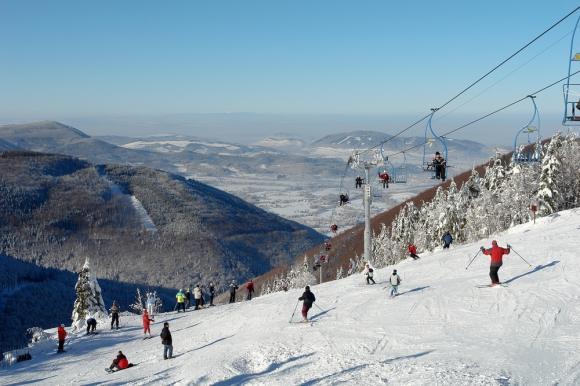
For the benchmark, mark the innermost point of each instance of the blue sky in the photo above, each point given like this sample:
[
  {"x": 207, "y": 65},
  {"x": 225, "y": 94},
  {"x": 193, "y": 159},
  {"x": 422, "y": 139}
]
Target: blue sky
[{"x": 75, "y": 60}]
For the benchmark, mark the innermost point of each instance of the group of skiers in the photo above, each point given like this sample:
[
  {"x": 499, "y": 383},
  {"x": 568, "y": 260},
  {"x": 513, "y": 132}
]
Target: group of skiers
[
  {"x": 196, "y": 297},
  {"x": 121, "y": 362},
  {"x": 249, "y": 290},
  {"x": 394, "y": 280}
]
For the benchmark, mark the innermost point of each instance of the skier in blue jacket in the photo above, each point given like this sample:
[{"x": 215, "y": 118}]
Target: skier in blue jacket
[{"x": 447, "y": 240}]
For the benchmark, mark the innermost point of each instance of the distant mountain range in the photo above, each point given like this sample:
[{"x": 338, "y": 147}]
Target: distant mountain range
[{"x": 283, "y": 173}]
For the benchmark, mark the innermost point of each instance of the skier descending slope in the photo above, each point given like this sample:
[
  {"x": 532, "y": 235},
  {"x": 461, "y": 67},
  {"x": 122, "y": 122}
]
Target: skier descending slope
[
  {"x": 395, "y": 280},
  {"x": 496, "y": 252},
  {"x": 309, "y": 299}
]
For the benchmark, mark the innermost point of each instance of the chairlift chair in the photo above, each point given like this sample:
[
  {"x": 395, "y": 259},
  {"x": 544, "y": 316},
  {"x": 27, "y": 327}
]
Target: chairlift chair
[
  {"x": 529, "y": 152},
  {"x": 431, "y": 137},
  {"x": 571, "y": 90}
]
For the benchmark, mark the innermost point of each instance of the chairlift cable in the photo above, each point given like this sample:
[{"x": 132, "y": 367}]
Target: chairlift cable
[
  {"x": 489, "y": 114},
  {"x": 480, "y": 78},
  {"x": 504, "y": 78}
]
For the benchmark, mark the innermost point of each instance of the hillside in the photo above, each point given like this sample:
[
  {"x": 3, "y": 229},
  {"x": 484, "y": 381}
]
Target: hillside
[
  {"x": 137, "y": 225},
  {"x": 51, "y": 204},
  {"x": 442, "y": 329}
]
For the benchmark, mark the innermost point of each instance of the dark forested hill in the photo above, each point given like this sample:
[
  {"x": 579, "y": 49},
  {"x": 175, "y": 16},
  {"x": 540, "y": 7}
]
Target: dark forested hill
[{"x": 138, "y": 225}]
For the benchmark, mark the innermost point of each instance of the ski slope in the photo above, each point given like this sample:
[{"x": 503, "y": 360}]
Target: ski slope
[{"x": 441, "y": 330}]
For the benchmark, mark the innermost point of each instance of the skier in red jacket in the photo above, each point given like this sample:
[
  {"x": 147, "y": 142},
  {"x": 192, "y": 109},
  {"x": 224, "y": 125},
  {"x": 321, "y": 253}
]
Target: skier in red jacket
[
  {"x": 61, "y": 337},
  {"x": 413, "y": 251},
  {"x": 146, "y": 323},
  {"x": 496, "y": 252},
  {"x": 120, "y": 363},
  {"x": 250, "y": 288}
]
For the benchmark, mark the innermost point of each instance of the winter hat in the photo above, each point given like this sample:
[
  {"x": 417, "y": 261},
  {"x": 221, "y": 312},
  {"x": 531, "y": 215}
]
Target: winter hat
[
  {"x": 308, "y": 287},
  {"x": 165, "y": 324},
  {"x": 394, "y": 271}
]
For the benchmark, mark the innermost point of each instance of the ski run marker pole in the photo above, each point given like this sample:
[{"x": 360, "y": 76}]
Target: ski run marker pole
[
  {"x": 292, "y": 317},
  {"x": 472, "y": 260},
  {"x": 512, "y": 248}
]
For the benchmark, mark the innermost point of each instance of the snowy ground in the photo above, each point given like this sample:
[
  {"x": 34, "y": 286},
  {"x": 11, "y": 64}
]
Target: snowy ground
[{"x": 441, "y": 330}]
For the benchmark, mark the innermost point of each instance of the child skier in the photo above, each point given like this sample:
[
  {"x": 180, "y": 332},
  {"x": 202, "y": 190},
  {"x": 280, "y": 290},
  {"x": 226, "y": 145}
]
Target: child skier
[
  {"x": 146, "y": 323},
  {"x": 395, "y": 280},
  {"x": 368, "y": 272},
  {"x": 308, "y": 299}
]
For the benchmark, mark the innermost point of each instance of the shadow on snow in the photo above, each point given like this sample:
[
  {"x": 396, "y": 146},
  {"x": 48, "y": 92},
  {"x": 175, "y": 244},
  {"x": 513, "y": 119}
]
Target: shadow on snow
[{"x": 538, "y": 268}]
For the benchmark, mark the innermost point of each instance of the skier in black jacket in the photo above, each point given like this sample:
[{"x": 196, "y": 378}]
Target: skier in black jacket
[
  {"x": 166, "y": 341},
  {"x": 309, "y": 299},
  {"x": 211, "y": 293},
  {"x": 233, "y": 288}
]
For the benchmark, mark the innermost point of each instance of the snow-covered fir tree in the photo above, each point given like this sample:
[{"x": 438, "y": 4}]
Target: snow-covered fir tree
[
  {"x": 89, "y": 300},
  {"x": 549, "y": 194},
  {"x": 489, "y": 204}
]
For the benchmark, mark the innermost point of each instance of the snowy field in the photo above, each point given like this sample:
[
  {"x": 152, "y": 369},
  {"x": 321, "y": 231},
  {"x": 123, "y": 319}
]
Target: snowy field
[
  {"x": 441, "y": 330},
  {"x": 313, "y": 201}
]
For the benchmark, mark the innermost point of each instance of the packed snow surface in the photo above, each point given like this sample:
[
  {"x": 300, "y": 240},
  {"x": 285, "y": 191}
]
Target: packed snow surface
[{"x": 441, "y": 330}]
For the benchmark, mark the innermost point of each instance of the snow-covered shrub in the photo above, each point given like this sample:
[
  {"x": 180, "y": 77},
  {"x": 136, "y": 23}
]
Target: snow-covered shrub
[{"x": 36, "y": 334}]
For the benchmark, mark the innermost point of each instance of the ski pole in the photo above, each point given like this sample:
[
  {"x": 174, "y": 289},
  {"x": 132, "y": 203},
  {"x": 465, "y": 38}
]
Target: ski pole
[
  {"x": 295, "y": 308},
  {"x": 510, "y": 247},
  {"x": 472, "y": 260}
]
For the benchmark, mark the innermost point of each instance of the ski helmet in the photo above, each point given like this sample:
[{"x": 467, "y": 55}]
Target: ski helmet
[
  {"x": 394, "y": 271},
  {"x": 307, "y": 288}
]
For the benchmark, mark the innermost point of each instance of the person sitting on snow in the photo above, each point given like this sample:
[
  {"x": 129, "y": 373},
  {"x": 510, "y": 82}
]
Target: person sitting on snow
[{"x": 120, "y": 363}]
